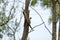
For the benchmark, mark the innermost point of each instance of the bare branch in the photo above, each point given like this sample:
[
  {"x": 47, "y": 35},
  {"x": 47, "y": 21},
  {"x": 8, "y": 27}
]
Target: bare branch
[
  {"x": 19, "y": 21},
  {"x": 35, "y": 27},
  {"x": 10, "y": 28},
  {"x": 40, "y": 17},
  {"x": 42, "y": 21}
]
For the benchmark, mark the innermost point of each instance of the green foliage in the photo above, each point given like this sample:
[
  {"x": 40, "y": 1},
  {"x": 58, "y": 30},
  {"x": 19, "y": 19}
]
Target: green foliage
[
  {"x": 3, "y": 18},
  {"x": 0, "y": 30},
  {"x": 50, "y": 19},
  {"x": 1, "y": 35},
  {"x": 47, "y": 3},
  {"x": 57, "y": 11},
  {"x": 6, "y": 28},
  {"x": 0, "y": 1},
  {"x": 34, "y": 2},
  {"x": 58, "y": 15},
  {"x": 10, "y": 34}
]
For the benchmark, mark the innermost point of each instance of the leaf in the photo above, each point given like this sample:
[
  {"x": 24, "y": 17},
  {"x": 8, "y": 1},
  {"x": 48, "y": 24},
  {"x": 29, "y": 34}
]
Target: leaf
[
  {"x": 50, "y": 20},
  {"x": 34, "y": 2},
  {"x": 47, "y": 3}
]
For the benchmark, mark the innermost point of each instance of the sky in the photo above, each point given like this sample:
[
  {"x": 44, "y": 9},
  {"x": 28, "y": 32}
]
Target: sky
[{"x": 40, "y": 32}]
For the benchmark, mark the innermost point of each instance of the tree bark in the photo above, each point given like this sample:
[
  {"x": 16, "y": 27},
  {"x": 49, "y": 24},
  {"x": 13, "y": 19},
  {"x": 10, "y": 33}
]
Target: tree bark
[
  {"x": 26, "y": 28},
  {"x": 53, "y": 19},
  {"x": 26, "y": 20}
]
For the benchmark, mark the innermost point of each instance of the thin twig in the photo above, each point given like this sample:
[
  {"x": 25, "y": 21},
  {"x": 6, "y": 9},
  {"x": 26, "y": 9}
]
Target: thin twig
[
  {"x": 42, "y": 21},
  {"x": 10, "y": 28},
  {"x": 35, "y": 27},
  {"x": 19, "y": 21},
  {"x": 40, "y": 17},
  {"x": 8, "y": 16}
]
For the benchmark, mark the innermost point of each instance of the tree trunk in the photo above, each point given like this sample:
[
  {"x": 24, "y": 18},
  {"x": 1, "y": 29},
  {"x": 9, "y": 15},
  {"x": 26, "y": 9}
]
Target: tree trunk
[
  {"x": 59, "y": 31},
  {"x": 25, "y": 32},
  {"x": 53, "y": 19},
  {"x": 59, "y": 25},
  {"x": 26, "y": 18}
]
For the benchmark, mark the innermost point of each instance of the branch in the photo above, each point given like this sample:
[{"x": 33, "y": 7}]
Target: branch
[
  {"x": 40, "y": 17},
  {"x": 27, "y": 19},
  {"x": 35, "y": 27},
  {"x": 8, "y": 16},
  {"x": 10, "y": 28},
  {"x": 19, "y": 21},
  {"x": 42, "y": 21}
]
